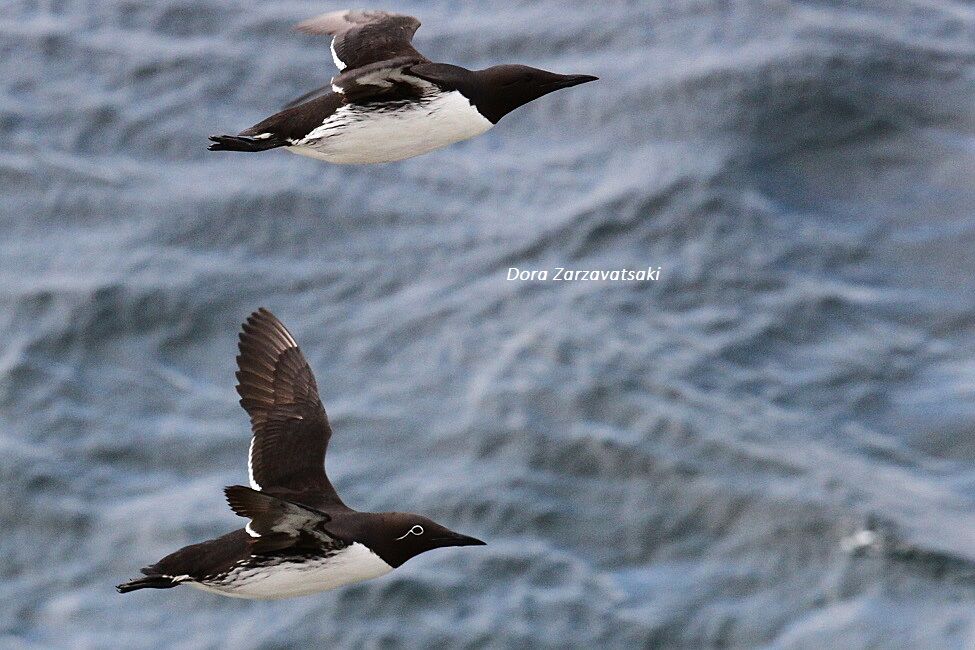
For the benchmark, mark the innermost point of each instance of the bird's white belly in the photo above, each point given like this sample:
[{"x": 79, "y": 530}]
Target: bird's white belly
[
  {"x": 352, "y": 564},
  {"x": 354, "y": 134}
]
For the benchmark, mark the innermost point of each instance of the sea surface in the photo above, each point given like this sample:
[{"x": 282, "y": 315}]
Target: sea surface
[{"x": 772, "y": 445}]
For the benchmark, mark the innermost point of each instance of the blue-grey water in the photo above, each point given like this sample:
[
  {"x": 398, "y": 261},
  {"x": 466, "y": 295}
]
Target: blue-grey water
[{"x": 771, "y": 445}]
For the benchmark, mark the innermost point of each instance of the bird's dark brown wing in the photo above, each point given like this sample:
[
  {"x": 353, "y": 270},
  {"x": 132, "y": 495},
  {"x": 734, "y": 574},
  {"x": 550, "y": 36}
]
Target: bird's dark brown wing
[
  {"x": 277, "y": 524},
  {"x": 363, "y": 37},
  {"x": 300, "y": 117},
  {"x": 385, "y": 81},
  {"x": 203, "y": 560},
  {"x": 291, "y": 431}
]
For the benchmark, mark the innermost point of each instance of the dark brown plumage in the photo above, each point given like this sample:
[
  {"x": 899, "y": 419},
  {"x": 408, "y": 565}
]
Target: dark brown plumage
[
  {"x": 291, "y": 430},
  {"x": 363, "y": 37}
]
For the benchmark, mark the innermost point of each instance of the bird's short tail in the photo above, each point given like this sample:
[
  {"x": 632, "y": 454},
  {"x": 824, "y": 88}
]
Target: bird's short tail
[
  {"x": 245, "y": 142},
  {"x": 149, "y": 582}
]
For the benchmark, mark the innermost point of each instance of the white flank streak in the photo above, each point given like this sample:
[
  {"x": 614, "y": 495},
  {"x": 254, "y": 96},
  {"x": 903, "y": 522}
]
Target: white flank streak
[
  {"x": 353, "y": 134},
  {"x": 261, "y": 136},
  {"x": 354, "y": 563},
  {"x": 250, "y": 531},
  {"x": 250, "y": 466},
  {"x": 335, "y": 57},
  {"x": 182, "y": 578}
]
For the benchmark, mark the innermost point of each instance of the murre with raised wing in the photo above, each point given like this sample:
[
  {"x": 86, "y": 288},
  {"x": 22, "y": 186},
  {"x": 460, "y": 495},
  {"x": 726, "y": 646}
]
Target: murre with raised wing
[
  {"x": 389, "y": 102},
  {"x": 300, "y": 538}
]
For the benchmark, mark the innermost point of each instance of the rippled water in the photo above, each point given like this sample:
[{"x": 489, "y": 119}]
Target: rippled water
[{"x": 772, "y": 444}]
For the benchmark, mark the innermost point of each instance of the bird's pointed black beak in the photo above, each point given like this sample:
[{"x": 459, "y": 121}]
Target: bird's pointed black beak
[
  {"x": 569, "y": 80},
  {"x": 456, "y": 539}
]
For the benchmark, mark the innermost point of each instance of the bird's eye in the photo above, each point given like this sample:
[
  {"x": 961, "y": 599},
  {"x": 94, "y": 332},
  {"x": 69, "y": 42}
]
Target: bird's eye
[{"x": 416, "y": 530}]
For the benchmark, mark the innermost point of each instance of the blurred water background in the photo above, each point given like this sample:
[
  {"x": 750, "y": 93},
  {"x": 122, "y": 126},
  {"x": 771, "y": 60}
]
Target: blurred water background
[{"x": 772, "y": 445}]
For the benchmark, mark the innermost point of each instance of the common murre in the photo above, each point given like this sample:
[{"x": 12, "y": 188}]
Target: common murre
[
  {"x": 390, "y": 102},
  {"x": 301, "y": 537}
]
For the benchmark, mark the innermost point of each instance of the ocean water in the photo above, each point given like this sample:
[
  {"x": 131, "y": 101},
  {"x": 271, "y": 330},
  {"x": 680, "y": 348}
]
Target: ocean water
[{"x": 773, "y": 445}]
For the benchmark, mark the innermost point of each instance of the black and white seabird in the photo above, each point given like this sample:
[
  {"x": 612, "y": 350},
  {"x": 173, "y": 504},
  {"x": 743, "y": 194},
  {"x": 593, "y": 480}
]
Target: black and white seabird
[
  {"x": 301, "y": 537},
  {"x": 390, "y": 102}
]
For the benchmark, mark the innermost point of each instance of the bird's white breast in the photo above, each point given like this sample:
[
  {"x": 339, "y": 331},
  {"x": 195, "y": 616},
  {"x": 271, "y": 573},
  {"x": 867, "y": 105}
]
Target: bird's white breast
[
  {"x": 351, "y": 564},
  {"x": 357, "y": 134}
]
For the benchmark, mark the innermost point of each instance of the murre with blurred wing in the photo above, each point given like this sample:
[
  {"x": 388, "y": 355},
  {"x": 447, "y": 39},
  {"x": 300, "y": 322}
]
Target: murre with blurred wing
[
  {"x": 390, "y": 102},
  {"x": 301, "y": 537}
]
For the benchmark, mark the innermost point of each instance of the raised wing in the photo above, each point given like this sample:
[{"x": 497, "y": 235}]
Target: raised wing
[
  {"x": 278, "y": 391},
  {"x": 363, "y": 37},
  {"x": 276, "y": 524},
  {"x": 376, "y": 44}
]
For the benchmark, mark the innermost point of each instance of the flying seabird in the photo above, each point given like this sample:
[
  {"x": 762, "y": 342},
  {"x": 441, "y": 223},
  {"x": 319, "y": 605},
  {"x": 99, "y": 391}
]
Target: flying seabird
[
  {"x": 390, "y": 102},
  {"x": 300, "y": 538}
]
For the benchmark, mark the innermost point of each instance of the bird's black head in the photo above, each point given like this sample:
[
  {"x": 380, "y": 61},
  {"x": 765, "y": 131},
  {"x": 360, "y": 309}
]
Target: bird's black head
[
  {"x": 503, "y": 88},
  {"x": 399, "y": 536}
]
